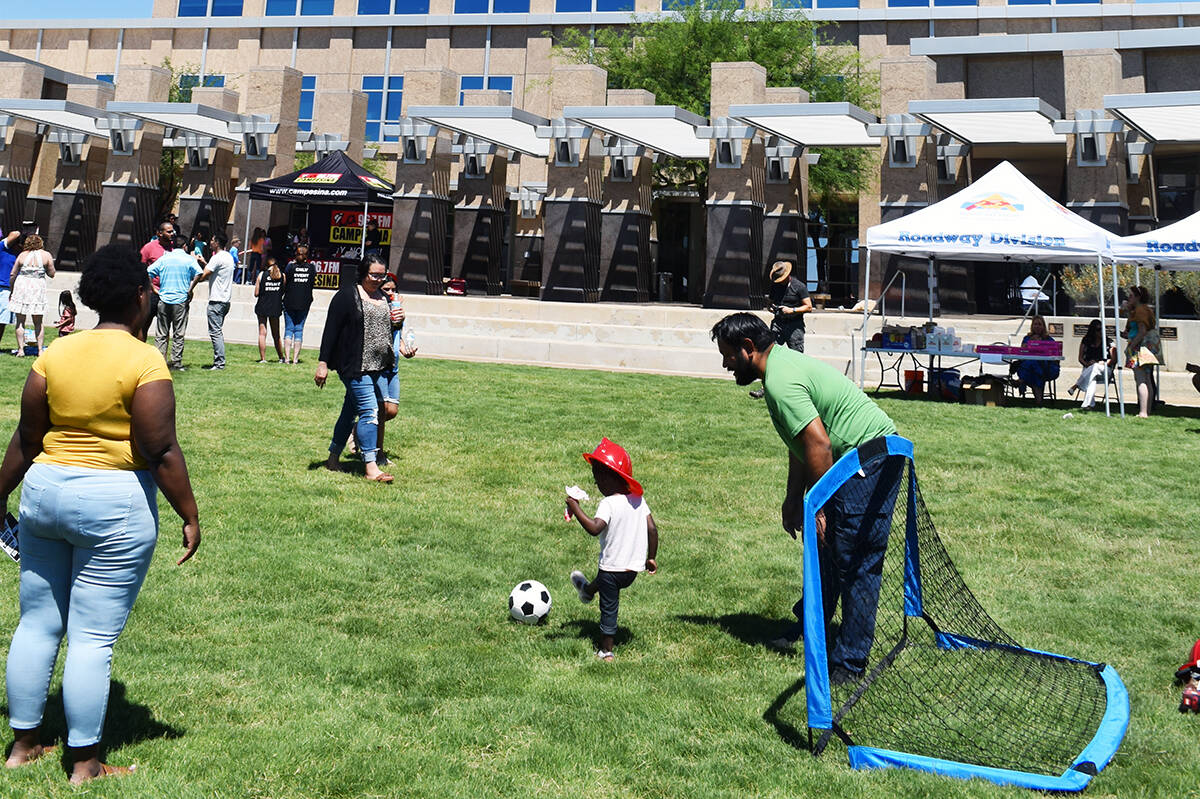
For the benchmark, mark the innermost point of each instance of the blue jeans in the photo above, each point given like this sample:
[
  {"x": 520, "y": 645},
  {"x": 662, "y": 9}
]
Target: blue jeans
[
  {"x": 609, "y": 585},
  {"x": 86, "y": 538},
  {"x": 858, "y": 521},
  {"x": 293, "y": 324},
  {"x": 363, "y": 395},
  {"x": 217, "y": 312}
]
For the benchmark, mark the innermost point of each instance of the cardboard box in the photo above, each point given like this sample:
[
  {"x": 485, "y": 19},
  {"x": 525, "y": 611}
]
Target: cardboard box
[{"x": 985, "y": 392}]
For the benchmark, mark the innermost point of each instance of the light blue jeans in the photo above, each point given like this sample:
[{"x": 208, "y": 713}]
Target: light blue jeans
[
  {"x": 293, "y": 324},
  {"x": 87, "y": 536},
  {"x": 363, "y": 395}
]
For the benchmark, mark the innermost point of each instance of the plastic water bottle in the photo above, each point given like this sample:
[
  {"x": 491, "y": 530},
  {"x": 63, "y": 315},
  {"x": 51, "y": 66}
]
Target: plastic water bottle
[{"x": 410, "y": 338}]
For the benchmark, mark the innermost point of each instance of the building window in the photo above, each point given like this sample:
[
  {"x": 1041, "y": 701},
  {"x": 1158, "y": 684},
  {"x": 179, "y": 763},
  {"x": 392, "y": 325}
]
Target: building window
[
  {"x": 412, "y": 6},
  {"x": 793, "y": 3},
  {"x": 281, "y": 8},
  {"x": 492, "y": 6},
  {"x": 210, "y": 81},
  {"x": 193, "y": 8},
  {"x": 374, "y": 7},
  {"x": 105, "y": 79},
  {"x": 308, "y": 91},
  {"x": 316, "y": 8},
  {"x": 382, "y": 105},
  {"x": 503, "y": 83},
  {"x": 510, "y": 6},
  {"x": 576, "y": 6},
  {"x": 226, "y": 8},
  {"x": 671, "y": 5},
  {"x": 471, "y": 6}
]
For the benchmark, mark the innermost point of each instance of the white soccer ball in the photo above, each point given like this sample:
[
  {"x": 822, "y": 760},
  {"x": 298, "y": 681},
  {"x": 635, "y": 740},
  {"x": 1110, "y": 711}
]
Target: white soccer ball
[{"x": 529, "y": 602}]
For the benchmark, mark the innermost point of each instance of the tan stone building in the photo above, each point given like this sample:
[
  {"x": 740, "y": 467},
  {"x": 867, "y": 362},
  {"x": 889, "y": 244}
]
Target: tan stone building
[{"x": 964, "y": 85}]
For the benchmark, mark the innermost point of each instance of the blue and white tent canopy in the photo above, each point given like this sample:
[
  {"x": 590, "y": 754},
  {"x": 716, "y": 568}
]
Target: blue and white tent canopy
[
  {"x": 1001, "y": 216},
  {"x": 1176, "y": 246}
]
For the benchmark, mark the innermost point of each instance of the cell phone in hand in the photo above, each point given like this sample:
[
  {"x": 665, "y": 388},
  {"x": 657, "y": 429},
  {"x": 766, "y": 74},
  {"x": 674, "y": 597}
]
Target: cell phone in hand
[{"x": 8, "y": 538}]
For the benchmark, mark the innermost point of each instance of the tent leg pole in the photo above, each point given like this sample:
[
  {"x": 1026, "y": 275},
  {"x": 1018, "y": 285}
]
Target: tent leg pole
[
  {"x": 1157, "y": 321},
  {"x": 1117, "y": 332},
  {"x": 249, "y": 208},
  {"x": 931, "y": 278},
  {"x": 1104, "y": 333},
  {"x": 866, "y": 293},
  {"x": 362, "y": 247}
]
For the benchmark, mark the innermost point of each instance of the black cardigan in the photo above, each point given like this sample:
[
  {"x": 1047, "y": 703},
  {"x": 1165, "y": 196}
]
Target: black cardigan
[{"x": 342, "y": 341}]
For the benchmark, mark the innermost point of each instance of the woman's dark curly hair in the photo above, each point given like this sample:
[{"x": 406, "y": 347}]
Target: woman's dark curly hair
[{"x": 111, "y": 278}]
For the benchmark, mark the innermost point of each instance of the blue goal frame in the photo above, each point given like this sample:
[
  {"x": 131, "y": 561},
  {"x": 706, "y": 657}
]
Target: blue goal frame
[{"x": 1094, "y": 757}]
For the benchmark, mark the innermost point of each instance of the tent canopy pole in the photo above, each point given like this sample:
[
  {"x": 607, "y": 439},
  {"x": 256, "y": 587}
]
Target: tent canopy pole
[
  {"x": 1117, "y": 336},
  {"x": 362, "y": 247}
]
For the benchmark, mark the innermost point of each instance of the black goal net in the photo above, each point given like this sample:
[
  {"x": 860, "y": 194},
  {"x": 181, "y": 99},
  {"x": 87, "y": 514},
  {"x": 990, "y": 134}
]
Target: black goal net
[{"x": 916, "y": 668}]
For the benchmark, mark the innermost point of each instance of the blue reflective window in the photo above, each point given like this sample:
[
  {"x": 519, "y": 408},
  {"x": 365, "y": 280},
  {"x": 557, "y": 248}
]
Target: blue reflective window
[
  {"x": 959, "y": 2},
  {"x": 614, "y": 5},
  {"x": 226, "y": 8},
  {"x": 470, "y": 6},
  {"x": 318, "y": 8},
  {"x": 189, "y": 81},
  {"x": 308, "y": 96},
  {"x": 281, "y": 8},
  {"x": 372, "y": 131},
  {"x": 908, "y": 3},
  {"x": 374, "y": 6},
  {"x": 500, "y": 83},
  {"x": 193, "y": 8},
  {"x": 572, "y": 6},
  {"x": 412, "y": 6},
  {"x": 839, "y": 4},
  {"x": 468, "y": 83},
  {"x": 382, "y": 106},
  {"x": 372, "y": 83},
  {"x": 510, "y": 6},
  {"x": 1076, "y": 2},
  {"x": 793, "y": 3},
  {"x": 105, "y": 78},
  {"x": 1029, "y": 2}
]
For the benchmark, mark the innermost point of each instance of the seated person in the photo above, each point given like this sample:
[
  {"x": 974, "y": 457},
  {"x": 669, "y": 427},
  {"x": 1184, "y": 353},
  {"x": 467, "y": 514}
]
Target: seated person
[
  {"x": 1035, "y": 374},
  {"x": 1096, "y": 368},
  {"x": 1195, "y": 370}
]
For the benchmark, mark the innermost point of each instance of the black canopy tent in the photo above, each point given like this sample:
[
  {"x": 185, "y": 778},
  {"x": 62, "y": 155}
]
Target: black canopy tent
[{"x": 334, "y": 180}]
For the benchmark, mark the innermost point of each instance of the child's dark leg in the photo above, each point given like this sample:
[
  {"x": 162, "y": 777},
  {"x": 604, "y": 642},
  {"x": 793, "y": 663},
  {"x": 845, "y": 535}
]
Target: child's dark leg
[{"x": 608, "y": 585}]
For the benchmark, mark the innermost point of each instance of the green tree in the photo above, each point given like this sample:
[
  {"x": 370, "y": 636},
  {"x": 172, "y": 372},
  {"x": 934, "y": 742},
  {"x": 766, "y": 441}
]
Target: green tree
[{"x": 671, "y": 55}]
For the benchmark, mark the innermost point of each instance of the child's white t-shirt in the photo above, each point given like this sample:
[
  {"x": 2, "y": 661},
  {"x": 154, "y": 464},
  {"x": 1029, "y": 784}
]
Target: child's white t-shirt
[{"x": 624, "y": 542}]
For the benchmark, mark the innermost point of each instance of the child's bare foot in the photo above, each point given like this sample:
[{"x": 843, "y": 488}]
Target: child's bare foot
[
  {"x": 98, "y": 770},
  {"x": 23, "y": 754}
]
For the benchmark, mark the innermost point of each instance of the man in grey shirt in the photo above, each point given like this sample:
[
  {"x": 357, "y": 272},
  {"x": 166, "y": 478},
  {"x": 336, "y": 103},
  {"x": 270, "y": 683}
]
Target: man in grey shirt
[{"x": 218, "y": 271}]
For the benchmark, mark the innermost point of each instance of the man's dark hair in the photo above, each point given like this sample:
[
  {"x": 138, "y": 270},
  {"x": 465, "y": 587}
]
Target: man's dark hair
[
  {"x": 735, "y": 328},
  {"x": 110, "y": 280},
  {"x": 180, "y": 241},
  {"x": 220, "y": 238}
]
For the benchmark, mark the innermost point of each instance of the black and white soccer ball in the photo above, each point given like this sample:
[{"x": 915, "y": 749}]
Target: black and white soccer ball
[{"x": 529, "y": 602}]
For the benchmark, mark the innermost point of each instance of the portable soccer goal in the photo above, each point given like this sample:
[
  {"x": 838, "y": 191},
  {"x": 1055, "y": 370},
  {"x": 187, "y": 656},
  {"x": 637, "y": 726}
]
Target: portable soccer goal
[{"x": 944, "y": 689}]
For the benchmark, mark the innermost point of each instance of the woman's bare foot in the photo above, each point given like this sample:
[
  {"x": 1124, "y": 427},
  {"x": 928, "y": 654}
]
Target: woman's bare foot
[
  {"x": 377, "y": 475},
  {"x": 24, "y": 753},
  {"x": 84, "y": 772}
]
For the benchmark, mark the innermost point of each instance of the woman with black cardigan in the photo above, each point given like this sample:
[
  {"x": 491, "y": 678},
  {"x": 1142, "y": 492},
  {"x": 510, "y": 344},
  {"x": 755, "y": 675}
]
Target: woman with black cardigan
[{"x": 357, "y": 344}]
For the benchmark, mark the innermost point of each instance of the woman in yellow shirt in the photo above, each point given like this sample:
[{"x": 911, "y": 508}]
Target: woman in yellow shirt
[{"x": 96, "y": 436}]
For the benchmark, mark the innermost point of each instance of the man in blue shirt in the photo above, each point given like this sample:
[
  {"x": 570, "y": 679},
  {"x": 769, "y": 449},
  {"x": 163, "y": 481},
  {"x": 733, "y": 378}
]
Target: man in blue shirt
[
  {"x": 9, "y": 249},
  {"x": 176, "y": 270}
]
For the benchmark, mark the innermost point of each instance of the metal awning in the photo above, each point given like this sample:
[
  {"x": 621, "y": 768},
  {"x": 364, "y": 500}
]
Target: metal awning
[
  {"x": 504, "y": 126},
  {"x": 665, "y": 129},
  {"x": 1168, "y": 117},
  {"x": 201, "y": 120},
  {"x": 58, "y": 114},
  {"x": 811, "y": 124},
  {"x": 1013, "y": 120}
]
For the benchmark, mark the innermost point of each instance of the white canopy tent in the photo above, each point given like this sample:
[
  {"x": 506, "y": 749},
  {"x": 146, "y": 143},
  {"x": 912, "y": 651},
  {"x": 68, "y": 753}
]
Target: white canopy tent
[{"x": 1001, "y": 216}]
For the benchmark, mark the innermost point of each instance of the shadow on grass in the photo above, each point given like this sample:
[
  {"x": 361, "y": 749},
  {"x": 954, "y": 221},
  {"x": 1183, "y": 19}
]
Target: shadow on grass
[
  {"x": 745, "y": 627},
  {"x": 125, "y": 723},
  {"x": 589, "y": 630},
  {"x": 350, "y": 467},
  {"x": 787, "y": 731}
]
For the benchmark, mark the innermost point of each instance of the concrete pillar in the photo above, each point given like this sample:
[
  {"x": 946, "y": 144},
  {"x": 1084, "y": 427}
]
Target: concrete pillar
[
  {"x": 21, "y": 143},
  {"x": 785, "y": 196},
  {"x": 734, "y": 206},
  {"x": 344, "y": 114},
  {"x": 75, "y": 205},
  {"x": 571, "y": 258},
  {"x": 479, "y": 207},
  {"x": 273, "y": 92},
  {"x": 206, "y": 191},
  {"x": 904, "y": 189},
  {"x": 129, "y": 195},
  {"x": 1098, "y": 193},
  {"x": 421, "y": 203},
  {"x": 625, "y": 217}
]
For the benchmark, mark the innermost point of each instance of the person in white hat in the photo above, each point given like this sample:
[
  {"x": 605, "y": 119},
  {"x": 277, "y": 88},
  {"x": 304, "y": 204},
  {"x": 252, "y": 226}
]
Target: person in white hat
[{"x": 789, "y": 303}]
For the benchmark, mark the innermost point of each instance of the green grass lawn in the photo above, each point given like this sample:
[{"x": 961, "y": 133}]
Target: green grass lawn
[{"x": 335, "y": 638}]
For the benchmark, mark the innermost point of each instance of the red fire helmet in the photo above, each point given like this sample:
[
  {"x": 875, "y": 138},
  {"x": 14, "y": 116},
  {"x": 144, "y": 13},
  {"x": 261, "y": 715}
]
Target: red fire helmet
[{"x": 614, "y": 456}]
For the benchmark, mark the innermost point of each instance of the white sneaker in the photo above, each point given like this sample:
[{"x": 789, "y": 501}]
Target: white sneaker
[{"x": 580, "y": 582}]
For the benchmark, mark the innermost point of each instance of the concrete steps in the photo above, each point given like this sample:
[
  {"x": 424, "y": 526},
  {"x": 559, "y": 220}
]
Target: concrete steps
[{"x": 657, "y": 338}]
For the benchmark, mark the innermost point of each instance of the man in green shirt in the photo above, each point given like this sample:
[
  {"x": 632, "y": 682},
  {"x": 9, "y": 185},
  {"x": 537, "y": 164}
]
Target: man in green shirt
[{"x": 821, "y": 415}]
